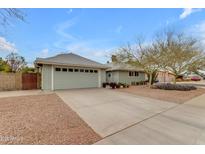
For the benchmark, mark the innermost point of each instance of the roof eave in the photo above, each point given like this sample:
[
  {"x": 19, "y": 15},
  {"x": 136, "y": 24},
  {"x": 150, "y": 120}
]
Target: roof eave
[
  {"x": 72, "y": 65},
  {"x": 125, "y": 70}
]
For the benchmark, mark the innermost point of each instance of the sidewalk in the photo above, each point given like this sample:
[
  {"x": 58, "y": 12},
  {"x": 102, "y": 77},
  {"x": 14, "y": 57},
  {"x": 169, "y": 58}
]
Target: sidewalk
[
  {"x": 22, "y": 93},
  {"x": 199, "y": 84}
]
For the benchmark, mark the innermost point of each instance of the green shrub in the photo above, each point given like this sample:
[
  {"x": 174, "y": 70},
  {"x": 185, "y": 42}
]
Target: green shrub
[{"x": 169, "y": 86}]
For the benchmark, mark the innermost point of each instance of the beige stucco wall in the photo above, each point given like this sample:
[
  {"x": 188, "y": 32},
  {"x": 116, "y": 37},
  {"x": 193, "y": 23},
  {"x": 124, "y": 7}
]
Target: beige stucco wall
[
  {"x": 103, "y": 76},
  {"x": 114, "y": 76},
  {"x": 46, "y": 77},
  {"x": 123, "y": 77},
  {"x": 165, "y": 77}
]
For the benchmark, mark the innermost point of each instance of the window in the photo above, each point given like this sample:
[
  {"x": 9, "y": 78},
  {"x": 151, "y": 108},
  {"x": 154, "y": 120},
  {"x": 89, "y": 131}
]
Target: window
[
  {"x": 133, "y": 73},
  {"x": 91, "y": 71},
  {"x": 70, "y": 70},
  {"x": 86, "y": 71},
  {"x": 81, "y": 70},
  {"x": 76, "y": 70},
  {"x": 109, "y": 75},
  {"x": 64, "y": 69},
  {"x": 130, "y": 73},
  {"x": 58, "y": 69},
  {"x": 95, "y": 71},
  {"x": 136, "y": 73}
]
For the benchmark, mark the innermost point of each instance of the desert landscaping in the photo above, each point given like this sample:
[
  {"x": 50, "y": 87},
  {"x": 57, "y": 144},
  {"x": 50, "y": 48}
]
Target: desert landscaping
[
  {"x": 175, "y": 96},
  {"x": 42, "y": 119}
]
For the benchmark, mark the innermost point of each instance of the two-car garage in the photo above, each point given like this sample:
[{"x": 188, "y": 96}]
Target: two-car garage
[
  {"x": 70, "y": 78},
  {"x": 70, "y": 71}
]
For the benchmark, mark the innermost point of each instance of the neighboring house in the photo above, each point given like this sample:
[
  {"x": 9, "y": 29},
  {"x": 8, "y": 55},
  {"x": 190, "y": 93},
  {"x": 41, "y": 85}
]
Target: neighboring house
[
  {"x": 193, "y": 75},
  {"x": 124, "y": 73},
  {"x": 188, "y": 75},
  {"x": 69, "y": 71},
  {"x": 201, "y": 73},
  {"x": 165, "y": 76}
]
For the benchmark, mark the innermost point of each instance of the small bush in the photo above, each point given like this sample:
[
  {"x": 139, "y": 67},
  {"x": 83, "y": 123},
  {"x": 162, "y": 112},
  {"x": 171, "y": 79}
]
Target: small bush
[
  {"x": 169, "y": 86},
  {"x": 118, "y": 86},
  {"x": 104, "y": 84},
  {"x": 113, "y": 85},
  {"x": 124, "y": 85}
]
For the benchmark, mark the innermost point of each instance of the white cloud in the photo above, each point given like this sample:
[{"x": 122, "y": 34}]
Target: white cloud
[
  {"x": 90, "y": 49},
  {"x": 119, "y": 29},
  {"x": 186, "y": 12},
  {"x": 68, "y": 42},
  {"x": 198, "y": 31},
  {"x": 63, "y": 32},
  {"x": 44, "y": 53},
  {"x": 6, "y": 46},
  {"x": 62, "y": 29},
  {"x": 86, "y": 48},
  {"x": 99, "y": 53}
]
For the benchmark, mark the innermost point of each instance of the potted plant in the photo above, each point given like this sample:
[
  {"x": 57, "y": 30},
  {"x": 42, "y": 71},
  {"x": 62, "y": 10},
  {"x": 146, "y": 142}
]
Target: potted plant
[{"x": 104, "y": 84}]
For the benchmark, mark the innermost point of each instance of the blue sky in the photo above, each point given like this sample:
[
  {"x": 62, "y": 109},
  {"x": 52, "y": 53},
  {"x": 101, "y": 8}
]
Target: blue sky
[{"x": 93, "y": 33}]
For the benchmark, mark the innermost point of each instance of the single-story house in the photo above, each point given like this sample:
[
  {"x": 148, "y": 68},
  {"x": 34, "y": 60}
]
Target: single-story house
[
  {"x": 165, "y": 76},
  {"x": 198, "y": 73},
  {"x": 69, "y": 71},
  {"x": 124, "y": 73}
]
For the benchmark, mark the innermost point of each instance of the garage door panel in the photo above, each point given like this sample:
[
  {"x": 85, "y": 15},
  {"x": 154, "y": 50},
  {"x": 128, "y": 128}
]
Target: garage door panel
[{"x": 70, "y": 80}]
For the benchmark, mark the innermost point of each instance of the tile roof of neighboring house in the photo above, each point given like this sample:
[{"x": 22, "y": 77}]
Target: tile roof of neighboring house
[
  {"x": 70, "y": 59},
  {"x": 166, "y": 71},
  {"x": 201, "y": 71},
  {"x": 122, "y": 67}
]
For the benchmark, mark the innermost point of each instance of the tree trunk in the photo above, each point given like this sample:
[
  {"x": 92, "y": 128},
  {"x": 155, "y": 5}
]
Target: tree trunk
[
  {"x": 164, "y": 76},
  {"x": 175, "y": 78},
  {"x": 150, "y": 80}
]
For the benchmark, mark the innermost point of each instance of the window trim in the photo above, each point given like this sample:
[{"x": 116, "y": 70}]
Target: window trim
[
  {"x": 130, "y": 73},
  {"x": 82, "y": 70},
  {"x": 69, "y": 70},
  {"x": 136, "y": 73},
  {"x": 64, "y": 70},
  {"x": 86, "y": 71},
  {"x": 57, "y": 68}
]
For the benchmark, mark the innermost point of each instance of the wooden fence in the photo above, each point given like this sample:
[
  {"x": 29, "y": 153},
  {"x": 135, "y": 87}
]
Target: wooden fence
[{"x": 19, "y": 81}]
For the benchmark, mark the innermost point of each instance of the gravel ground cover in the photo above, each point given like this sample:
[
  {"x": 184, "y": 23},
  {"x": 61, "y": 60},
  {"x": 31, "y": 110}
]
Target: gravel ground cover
[
  {"x": 166, "y": 95},
  {"x": 42, "y": 119}
]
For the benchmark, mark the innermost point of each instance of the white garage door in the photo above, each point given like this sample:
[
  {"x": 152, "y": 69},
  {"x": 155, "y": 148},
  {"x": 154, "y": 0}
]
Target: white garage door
[{"x": 70, "y": 78}]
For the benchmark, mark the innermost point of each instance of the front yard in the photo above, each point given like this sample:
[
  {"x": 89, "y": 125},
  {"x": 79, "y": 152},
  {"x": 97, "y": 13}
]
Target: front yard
[
  {"x": 166, "y": 95},
  {"x": 42, "y": 119}
]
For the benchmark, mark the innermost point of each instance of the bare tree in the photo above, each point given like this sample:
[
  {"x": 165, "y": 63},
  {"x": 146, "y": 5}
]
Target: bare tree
[
  {"x": 179, "y": 53},
  {"x": 147, "y": 57},
  {"x": 16, "y": 62},
  {"x": 7, "y": 15}
]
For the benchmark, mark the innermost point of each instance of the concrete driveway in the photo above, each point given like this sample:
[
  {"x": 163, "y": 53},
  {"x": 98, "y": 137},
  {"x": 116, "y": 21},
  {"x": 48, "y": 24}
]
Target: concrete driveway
[
  {"x": 109, "y": 112},
  {"x": 122, "y": 118},
  {"x": 183, "y": 124}
]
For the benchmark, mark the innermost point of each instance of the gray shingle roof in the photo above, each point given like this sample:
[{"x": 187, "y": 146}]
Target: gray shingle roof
[
  {"x": 122, "y": 67},
  {"x": 70, "y": 59}
]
